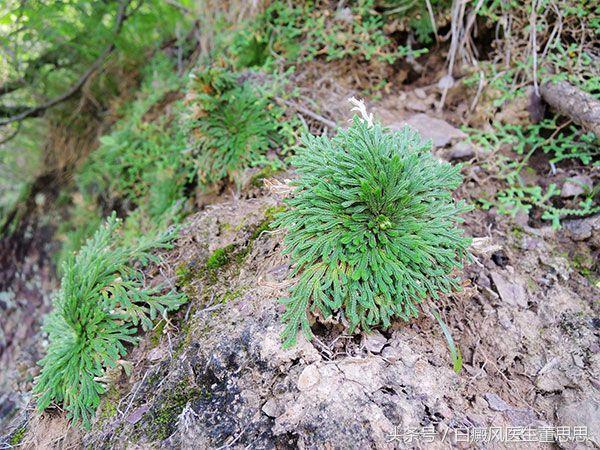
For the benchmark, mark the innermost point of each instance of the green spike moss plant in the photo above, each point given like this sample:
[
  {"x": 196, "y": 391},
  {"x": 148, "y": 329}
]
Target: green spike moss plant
[
  {"x": 371, "y": 227},
  {"x": 239, "y": 123},
  {"x": 101, "y": 303}
]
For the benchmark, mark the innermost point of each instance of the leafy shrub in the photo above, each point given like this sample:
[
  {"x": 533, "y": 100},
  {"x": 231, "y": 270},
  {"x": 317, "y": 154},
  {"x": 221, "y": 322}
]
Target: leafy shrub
[
  {"x": 101, "y": 304},
  {"x": 52, "y": 45},
  {"x": 137, "y": 163},
  {"x": 234, "y": 123},
  {"x": 371, "y": 228},
  {"x": 128, "y": 165}
]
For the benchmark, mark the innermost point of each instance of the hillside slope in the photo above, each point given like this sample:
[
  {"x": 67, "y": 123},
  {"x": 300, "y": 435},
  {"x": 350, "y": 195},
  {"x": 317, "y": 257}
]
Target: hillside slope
[{"x": 216, "y": 375}]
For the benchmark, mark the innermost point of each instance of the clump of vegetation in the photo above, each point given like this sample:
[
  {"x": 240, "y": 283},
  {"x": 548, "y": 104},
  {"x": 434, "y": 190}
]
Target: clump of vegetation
[
  {"x": 234, "y": 123},
  {"x": 53, "y": 57},
  {"x": 141, "y": 163},
  {"x": 562, "y": 50},
  {"x": 141, "y": 168},
  {"x": 522, "y": 196},
  {"x": 17, "y": 436},
  {"x": 371, "y": 228},
  {"x": 101, "y": 304},
  {"x": 219, "y": 258},
  {"x": 164, "y": 419},
  {"x": 304, "y": 31}
]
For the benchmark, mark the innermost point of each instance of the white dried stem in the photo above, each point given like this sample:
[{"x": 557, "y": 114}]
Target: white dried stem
[{"x": 359, "y": 105}]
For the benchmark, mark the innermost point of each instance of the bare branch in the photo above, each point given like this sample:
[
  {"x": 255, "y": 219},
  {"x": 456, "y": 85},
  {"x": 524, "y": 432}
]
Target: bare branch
[
  {"x": 313, "y": 115},
  {"x": 8, "y": 111},
  {"x": 570, "y": 101},
  {"x": 12, "y": 135},
  {"x": 38, "y": 110}
]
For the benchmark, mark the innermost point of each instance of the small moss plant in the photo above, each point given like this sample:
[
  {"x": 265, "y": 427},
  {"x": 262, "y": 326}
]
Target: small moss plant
[
  {"x": 98, "y": 309},
  {"x": 371, "y": 227}
]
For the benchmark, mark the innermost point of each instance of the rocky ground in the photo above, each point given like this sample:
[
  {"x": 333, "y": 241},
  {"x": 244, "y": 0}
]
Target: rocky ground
[{"x": 215, "y": 376}]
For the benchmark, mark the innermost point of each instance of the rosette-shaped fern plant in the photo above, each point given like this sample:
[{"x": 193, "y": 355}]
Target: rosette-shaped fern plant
[
  {"x": 371, "y": 228},
  {"x": 234, "y": 123},
  {"x": 101, "y": 304}
]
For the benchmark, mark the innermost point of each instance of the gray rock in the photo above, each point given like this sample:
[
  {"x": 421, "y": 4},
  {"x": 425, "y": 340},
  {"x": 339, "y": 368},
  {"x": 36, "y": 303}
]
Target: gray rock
[
  {"x": 522, "y": 417},
  {"x": 420, "y": 93},
  {"x": 391, "y": 354},
  {"x": 551, "y": 381},
  {"x": 576, "y": 186},
  {"x": 439, "y": 131},
  {"x": 496, "y": 403},
  {"x": 578, "y": 360},
  {"x": 156, "y": 354},
  {"x": 461, "y": 150},
  {"x": 308, "y": 378},
  {"x": 511, "y": 291},
  {"x": 582, "y": 229},
  {"x": 416, "y": 105},
  {"x": 136, "y": 415},
  {"x": 374, "y": 341},
  {"x": 272, "y": 408},
  {"x": 584, "y": 413}
]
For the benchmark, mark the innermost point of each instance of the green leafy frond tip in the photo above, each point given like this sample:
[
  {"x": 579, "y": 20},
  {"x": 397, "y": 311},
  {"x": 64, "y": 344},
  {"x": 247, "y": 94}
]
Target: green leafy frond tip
[
  {"x": 371, "y": 228},
  {"x": 99, "y": 308}
]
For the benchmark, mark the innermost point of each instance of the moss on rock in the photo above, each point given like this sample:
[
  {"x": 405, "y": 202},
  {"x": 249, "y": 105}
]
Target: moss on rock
[{"x": 17, "y": 436}]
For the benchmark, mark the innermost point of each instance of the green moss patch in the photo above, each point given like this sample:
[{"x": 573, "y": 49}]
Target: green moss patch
[
  {"x": 165, "y": 418},
  {"x": 219, "y": 258},
  {"x": 18, "y": 435}
]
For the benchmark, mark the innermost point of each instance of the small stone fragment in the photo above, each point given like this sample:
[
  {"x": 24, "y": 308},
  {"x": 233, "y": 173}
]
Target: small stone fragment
[
  {"x": 576, "y": 186},
  {"x": 578, "y": 360},
  {"x": 308, "y": 378},
  {"x": 495, "y": 402},
  {"x": 484, "y": 246},
  {"x": 391, "y": 354},
  {"x": 416, "y": 105},
  {"x": 582, "y": 229},
  {"x": 522, "y": 417},
  {"x": 156, "y": 354},
  {"x": 512, "y": 292},
  {"x": 272, "y": 408},
  {"x": 136, "y": 415},
  {"x": 461, "y": 150},
  {"x": 552, "y": 381},
  {"x": 420, "y": 93},
  {"x": 446, "y": 82},
  {"x": 439, "y": 131},
  {"x": 374, "y": 341}
]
